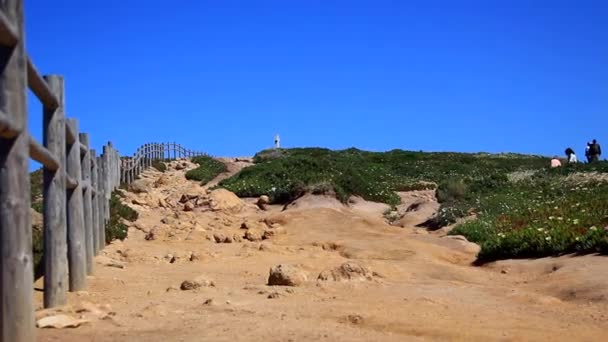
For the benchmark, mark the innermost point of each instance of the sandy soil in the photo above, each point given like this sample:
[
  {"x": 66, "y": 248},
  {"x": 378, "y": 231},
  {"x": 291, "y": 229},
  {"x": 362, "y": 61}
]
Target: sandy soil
[{"x": 420, "y": 285}]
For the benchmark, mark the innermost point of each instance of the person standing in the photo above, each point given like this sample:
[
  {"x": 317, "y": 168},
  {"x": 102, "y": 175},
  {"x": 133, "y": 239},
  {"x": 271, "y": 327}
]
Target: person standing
[
  {"x": 587, "y": 148},
  {"x": 572, "y": 159},
  {"x": 595, "y": 151}
]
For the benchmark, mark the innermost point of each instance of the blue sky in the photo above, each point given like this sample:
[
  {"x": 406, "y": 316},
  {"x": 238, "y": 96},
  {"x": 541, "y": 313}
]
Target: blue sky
[{"x": 224, "y": 76}]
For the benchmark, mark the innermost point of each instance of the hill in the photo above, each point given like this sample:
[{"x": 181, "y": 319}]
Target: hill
[{"x": 522, "y": 208}]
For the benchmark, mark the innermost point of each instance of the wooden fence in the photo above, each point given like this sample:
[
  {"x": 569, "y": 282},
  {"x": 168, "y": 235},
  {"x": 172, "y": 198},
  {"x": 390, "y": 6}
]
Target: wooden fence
[
  {"x": 131, "y": 167},
  {"x": 77, "y": 185}
]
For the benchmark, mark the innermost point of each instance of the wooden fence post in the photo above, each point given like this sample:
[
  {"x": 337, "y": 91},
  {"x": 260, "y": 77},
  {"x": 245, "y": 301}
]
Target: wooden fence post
[
  {"x": 146, "y": 160},
  {"x": 87, "y": 198},
  {"x": 105, "y": 182},
  {"x": 16, "y": 267},
  {"x": 76, "y": 230},
  {"x": 54, "y": 201},
  {"x": 95, "y": 203},
  {"x": 101, "y": 197}
]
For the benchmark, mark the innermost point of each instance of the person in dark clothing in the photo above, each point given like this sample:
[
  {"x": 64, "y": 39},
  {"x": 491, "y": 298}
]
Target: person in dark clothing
[{"x": 595, "y": 151}]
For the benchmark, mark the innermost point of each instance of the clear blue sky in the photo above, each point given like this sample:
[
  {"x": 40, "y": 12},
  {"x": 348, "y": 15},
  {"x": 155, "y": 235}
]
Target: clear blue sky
[{"x": 224, "y": 76}]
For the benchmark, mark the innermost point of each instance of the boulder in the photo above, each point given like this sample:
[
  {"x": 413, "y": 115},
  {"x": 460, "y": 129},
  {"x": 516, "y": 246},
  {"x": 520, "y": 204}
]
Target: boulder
[
  {"x": 263, "y": 202},
  {"x": 188, "y": 206},
  {"x": 461, "y": 243},
  {"x": 287, "y": 275},
  {"x": 237, "y": 237},
  {"x": 139, "y": 186},
  {"x": 272, "y": 232},
  {"x": 348, "y": 271},
  {"x": 162, "y": 180},
  {"x": 219, "y": 237},
  {"x": 198, "y": 282},
  {"x": 139, "y": 201},
  {"x": 224, "y": 200},
  {"x": 254, "y": 234}
]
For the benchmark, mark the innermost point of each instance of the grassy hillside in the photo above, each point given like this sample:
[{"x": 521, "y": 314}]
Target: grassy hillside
[
  {"x": 208, "y": 168},
  {"x": 523, "y": 209}
]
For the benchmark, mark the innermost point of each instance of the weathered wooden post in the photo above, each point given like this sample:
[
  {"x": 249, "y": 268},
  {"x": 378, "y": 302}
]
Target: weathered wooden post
[
  {"x": 95, "y": 202},
  {"x": 174, "y": 150},
  {"x": 101, "y": 197},
  {"x": 87, "y": 198},
  {"x": 16, "y": 268},
  {"x": 106, "y": 182},
  {"x": 76, "y": 226},
  {"x": 54, "y": 200},
  {"x": 147, "y": 159},
  {"x": 136, "y": 162}
]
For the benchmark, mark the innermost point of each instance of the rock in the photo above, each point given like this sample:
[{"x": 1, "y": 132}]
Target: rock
[
  {"x": 219, "y": 237},
  {"x": 355, "y": 319},
  {"x": 151, "y": 235},
  {"x": 287, "y": 275},
  {"x": 194, "y": 256},
  {"x": 274, "y": 295},
  {"x": 172, "y": 288},
  {"x": 139, "y": 186},
  {"x": 224, "y": 200},
  {"x": 209, "y": 302},
  {"x": 95, "y": 310},
  {"x": 60, "y": 322},
  {"x": 162, "y": 203},
  {"x": 263, "y": 202},
  {"x": 167, "y": 220},
  {"x": 188, "y": 206},
  {"x": 237, "y": 237},
  {"x": 139, "y": 201},
  {"x": 180, "y": 166},
  {"x": 104, "y": 260},
  {"x": 463, "y": 244},
  {"x": 348, "y": 271},
  {"x": 254, "y": 234},
  {"x": 271, "y": 232},
  {"x": 162, "y": 180},
  {"x": 196, "y": 283}
]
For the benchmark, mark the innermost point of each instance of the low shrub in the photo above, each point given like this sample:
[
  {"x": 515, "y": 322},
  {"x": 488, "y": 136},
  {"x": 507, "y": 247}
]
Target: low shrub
[
  {"x": 159, "y": 165},
  {"x": 208, "y": 168},
  {"x": 115, "y": 229}
]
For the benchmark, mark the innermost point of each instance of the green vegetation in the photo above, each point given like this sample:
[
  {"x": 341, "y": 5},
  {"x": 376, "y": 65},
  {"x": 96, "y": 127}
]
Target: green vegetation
[
  {"x": 115, "y": 229},
  {"x": 522, "y": 208},
  {"x": 36, "y": 184},
  {"x": 544, "y": 215},
  {"x": 207, "y": 170},
  {"x": 285, "y": 174},
  {"x": 159, "y": 165}
]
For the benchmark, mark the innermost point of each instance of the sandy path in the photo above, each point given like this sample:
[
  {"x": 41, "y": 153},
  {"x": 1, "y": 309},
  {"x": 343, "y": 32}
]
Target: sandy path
[{"x": 424, "y": 288}]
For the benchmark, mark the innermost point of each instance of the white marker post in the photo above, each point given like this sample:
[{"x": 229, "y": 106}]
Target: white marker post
[{"x": 277, "y": 141}]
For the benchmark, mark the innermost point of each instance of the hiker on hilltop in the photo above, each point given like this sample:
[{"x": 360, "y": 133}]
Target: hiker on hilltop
[
  {"x": 555, "y": 162},
  {"x": 572, "y": 159},
  {"x": 595, "y": 151},
  {"x": 587, "y": 148}
]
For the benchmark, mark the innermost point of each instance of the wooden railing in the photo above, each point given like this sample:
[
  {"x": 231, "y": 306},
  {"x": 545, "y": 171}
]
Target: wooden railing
[
  {"x": 145, "y": 155},
  {"x": 77, "y": 185}
]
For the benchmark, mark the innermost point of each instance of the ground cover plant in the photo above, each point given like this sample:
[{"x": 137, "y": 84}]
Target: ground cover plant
[
  {"x": 115, "y": 228},
  {"x": 208, "y": 168},
  {"x": 522, "y": 208}
]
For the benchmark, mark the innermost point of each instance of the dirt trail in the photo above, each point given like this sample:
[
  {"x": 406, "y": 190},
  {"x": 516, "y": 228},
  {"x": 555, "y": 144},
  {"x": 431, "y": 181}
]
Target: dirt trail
[{"x": 419, "y": 285}]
